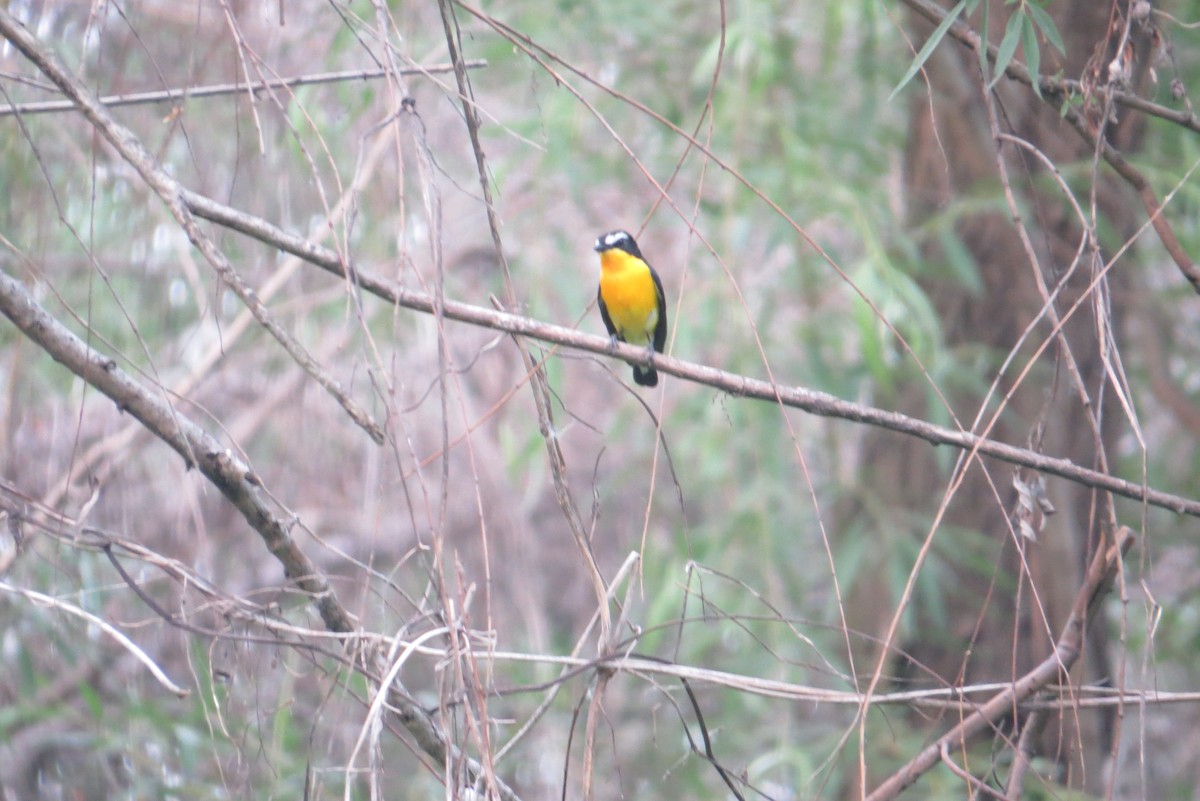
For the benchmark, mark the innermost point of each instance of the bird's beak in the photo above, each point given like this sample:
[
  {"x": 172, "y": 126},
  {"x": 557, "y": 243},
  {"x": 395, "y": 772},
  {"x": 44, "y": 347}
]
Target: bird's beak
[{"x": 599, "y": 246}]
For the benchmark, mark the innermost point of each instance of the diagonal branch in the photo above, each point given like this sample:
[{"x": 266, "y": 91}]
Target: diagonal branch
[
  {"x": 221, "y": 89},
  {"x": 197, "y": 447},
  {"x": 1101, "y": 572},
  {"x": 1061, "y": 91},
  {"x": 170, "y": 191},
  {"x": 808, "y": 400},
  {"x": 228, "y": 474}
]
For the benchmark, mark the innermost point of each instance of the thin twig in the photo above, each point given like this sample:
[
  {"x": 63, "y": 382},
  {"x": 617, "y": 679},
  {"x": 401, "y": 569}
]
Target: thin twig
[
  {"x": 538, "y": 382},
  {"x": 221, "y": 89},
  {"x": 170, "y": 191},
  {"x": 225, "y": 471},
  {"x": 102, "y": 624},
  {"x": 1100, "y": 574},
  {"x": 1060, "y": 92},
  {"x": 812, "y": 401},
  {"x": 632, "y": 561},
  {"x": 971, "y": 781},
  {"x": 1024, "y": 753}
]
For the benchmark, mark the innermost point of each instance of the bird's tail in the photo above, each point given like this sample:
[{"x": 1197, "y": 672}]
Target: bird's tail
[{"x": 645, "y": 376}]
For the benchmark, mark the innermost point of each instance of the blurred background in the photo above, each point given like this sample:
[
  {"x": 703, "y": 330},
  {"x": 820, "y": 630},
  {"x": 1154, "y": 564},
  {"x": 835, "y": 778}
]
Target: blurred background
[{"x": 815, "y": 219}]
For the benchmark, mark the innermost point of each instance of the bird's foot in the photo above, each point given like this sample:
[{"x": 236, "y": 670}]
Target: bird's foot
[{"x": 612, "y": 343}]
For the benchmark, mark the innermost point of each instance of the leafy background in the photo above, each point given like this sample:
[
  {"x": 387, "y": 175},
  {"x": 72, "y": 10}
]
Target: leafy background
[{"x": 759, "y": 530}]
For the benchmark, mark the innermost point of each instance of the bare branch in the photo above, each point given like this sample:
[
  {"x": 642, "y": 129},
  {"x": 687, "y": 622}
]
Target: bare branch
[
  {"x": 171, "y": 193},
  {"x": 221, "y": 89},
  {"x": 808, "y": 400},
  {"x": 112, "y": 631},
  {"x": 1060, "y": 91},
  {"x": 539, "y": 383},
  {"x": 228, "y": 474},
  {"x": 1098, "y": 581}
]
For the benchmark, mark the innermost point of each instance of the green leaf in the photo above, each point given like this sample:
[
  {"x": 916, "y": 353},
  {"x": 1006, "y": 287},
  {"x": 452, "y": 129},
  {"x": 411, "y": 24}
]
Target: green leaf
[
  {"x": 960, "y": 261},
  {"x": 1008, "y": 46},
  {"x": 982, "y": 50},
  {"x": 1033, "y": 55},
  {"x": 1046, "y": 25},
  {"x": 933, "y": 41}
]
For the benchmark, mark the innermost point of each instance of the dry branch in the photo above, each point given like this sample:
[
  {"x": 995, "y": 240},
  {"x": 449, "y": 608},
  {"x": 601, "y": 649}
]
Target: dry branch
[
  {"x": 170, "y": 191},
  {"x": 1061, "y": 91},
  {"x": 808, "y": 400},
  {"x": 1101, "y": 572},
  {"x": 230, "y": 475},
  {"x": 811, "y": 401},
  {"x": 199, "y": 449},
  {"x": 221, "y": 89},
  {"x": 227, "y": 473}
]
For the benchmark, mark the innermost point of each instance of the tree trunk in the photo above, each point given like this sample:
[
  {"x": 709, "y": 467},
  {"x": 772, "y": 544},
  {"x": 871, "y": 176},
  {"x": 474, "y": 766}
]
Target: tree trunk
[{"x": 1012, "y": 617}]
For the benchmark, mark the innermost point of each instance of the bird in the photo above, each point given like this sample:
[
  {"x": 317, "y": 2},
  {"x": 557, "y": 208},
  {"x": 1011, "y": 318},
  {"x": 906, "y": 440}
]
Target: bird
[{"x": 631, "y": 298}]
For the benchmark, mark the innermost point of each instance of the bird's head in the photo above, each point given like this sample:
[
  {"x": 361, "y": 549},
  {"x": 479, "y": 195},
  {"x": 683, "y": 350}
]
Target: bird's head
[{"x": 617, "y": 240}]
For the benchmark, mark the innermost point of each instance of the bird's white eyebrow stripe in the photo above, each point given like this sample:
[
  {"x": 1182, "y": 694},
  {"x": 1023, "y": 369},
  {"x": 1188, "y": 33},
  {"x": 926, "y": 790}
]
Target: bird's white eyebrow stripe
[{"x": 614, "y": 238}]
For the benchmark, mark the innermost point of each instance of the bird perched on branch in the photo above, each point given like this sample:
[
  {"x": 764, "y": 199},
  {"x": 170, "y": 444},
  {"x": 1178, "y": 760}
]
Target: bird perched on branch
[{"x": 631, "y": 300}]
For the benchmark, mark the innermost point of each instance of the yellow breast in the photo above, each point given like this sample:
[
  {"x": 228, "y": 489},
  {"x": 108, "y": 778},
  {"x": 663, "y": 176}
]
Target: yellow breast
[{"x": 630, "y": 296}]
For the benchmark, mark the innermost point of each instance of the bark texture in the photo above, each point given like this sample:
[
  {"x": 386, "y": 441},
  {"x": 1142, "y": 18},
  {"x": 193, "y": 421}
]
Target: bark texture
[{"x": 1010, "y": 617}]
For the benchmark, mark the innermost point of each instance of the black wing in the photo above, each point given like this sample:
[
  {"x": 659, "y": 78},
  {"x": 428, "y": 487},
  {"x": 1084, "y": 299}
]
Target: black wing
[
  {"x": 608, "y": 323},
  {"x": 660, "y": 329}
]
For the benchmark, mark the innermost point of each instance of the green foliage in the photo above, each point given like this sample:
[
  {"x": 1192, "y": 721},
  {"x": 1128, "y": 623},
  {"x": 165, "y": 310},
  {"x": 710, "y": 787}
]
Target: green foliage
[
  {"x": 809, "y": 152},
  {"x": 115, "y": 730},
  {"x": 1024, "y": 24},
  {"x": 934, "y": 41}
]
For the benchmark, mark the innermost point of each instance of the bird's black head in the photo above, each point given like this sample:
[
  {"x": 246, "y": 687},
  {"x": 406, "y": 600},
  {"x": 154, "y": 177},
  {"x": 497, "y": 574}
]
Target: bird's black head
[{"x": 620, "y": 240}]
